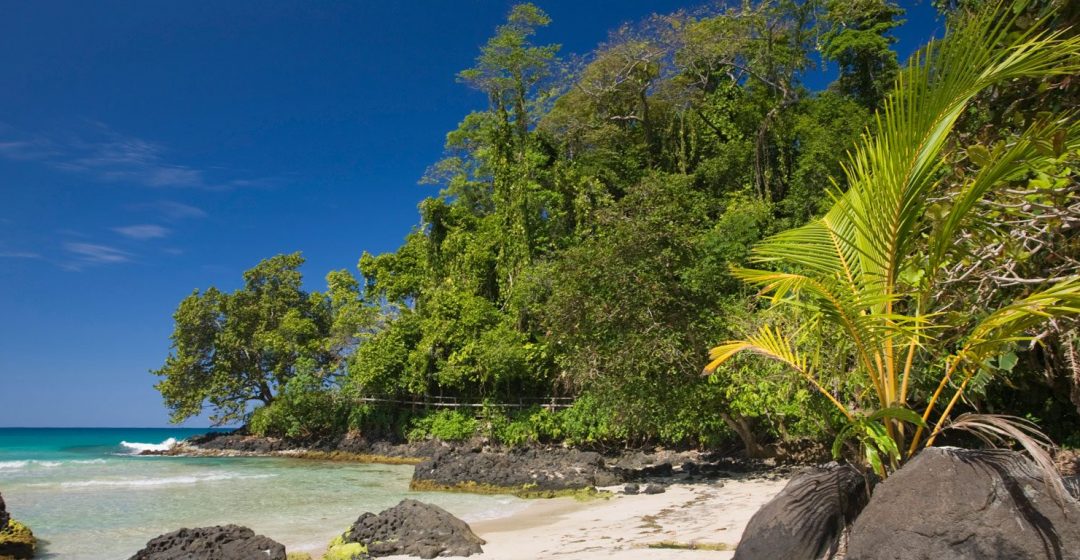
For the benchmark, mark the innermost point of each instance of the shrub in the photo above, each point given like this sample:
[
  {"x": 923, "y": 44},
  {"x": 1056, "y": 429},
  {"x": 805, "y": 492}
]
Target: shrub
[{"x": 447, "y": 425}]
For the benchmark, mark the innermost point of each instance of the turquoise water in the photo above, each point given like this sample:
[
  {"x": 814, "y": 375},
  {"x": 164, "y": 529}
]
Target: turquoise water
[{"x": 87, "y": 496}]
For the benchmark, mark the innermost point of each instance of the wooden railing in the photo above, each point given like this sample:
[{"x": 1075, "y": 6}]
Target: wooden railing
[{"x": 550, "y": 403}]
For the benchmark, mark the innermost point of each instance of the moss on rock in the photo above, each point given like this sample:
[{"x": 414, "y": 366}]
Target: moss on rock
[
  {"x": 345, "y": 551},
  {"x": 17, "y": 542},
  {"x": 526, "y": 491}
]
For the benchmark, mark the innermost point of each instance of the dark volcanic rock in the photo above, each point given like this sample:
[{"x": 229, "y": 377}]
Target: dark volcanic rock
[
  {"x": 964, "y": 504},
  {"x": 805, "y": 520},
  {"x": 534, "y": 469},
  {"x": 240, "y": 441},
  {"x": 415, "y": 529},
  {"x": 226, "y": 542},
  {"x": 654, "y": 489},
  {"x": 4, "y": 516},
  {"x": 631, "y": 489}
]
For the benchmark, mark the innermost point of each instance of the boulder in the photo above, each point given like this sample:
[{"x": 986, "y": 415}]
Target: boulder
[
  {"x": 4, "y": 516},
  {"x": 225, "y": 542},
  {"x": 654, "y": 489},
  {"x": 16, "y": 541},
  {"x": 516, "y": 470},
  {"x": 806, "y": 519},
  {"x": 966, "y": 505},
  {"x": 415, "y": 529}
]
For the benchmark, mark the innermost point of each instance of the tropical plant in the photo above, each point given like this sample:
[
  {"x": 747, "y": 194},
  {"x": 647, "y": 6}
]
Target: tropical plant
[{"x": 871, "y": 265}]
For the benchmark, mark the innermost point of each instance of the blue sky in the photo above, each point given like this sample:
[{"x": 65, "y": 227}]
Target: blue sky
[{"x": 148, "y": 148}]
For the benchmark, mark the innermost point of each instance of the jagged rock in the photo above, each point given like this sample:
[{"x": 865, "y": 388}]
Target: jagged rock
[
  {"x": 4, "y": 516},
  {"x": 805, "y": 520},
  {"x": 654, "y": 489},
  {"x": 966, "y": 504},
  {"x": 16, "y": 541},
  {"x": 536, "y": 469},
  {"x": 641, "y": 465},
  {"x": 225, "y": 542},
  {"x": 416, "y": 529}
]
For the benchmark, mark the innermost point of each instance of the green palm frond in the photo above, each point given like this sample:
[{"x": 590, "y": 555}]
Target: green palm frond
[
  {"x": 770, "y": 343},
  {"x": 847, "y": 266},
  {"x": 1012, "y": 323}
]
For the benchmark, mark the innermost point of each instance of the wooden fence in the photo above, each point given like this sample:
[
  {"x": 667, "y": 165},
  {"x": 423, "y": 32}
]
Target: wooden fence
[{"x": 550, "y": 403}]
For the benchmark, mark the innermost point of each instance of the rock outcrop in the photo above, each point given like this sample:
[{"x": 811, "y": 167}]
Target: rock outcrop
[
  {"x": 16, "y": 541},
  {"x": 415, "y": 529},
  {"x": 540, "y": 470},
  {"x": 966, "y": 505},
  {"x": 225, "y": 542},
  {"x": 4, "y": 516},
  {"x": 806, "y": 519}
]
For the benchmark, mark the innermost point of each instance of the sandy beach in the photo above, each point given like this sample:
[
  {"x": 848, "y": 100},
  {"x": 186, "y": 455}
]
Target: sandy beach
[{"x": 711, "y": 514}]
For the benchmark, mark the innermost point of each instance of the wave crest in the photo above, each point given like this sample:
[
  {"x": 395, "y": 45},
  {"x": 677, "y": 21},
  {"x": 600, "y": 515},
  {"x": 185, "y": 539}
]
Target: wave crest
[
  {"x": 136, "y": 447},
  {"x": 19, "y": 465}
]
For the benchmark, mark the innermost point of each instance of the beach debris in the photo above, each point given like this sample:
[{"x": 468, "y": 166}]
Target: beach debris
[
  {"x": 966, "y": 504},
  {"x": 415, "y": 529},
  {"x": 223, "y": 542},
  {"x": 807, "y": 518}
]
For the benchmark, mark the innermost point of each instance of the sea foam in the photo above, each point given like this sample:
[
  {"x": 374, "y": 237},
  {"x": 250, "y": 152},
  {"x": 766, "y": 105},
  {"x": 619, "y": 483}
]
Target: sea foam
[
  {"x": 136, "y": 447},
  {"x": 163, "y": 481},
  {"x": 20, "y": 465}
]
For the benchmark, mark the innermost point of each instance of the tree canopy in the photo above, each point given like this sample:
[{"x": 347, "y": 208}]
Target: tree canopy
[
  {"x": 582, "y": 241},
  {"x": 229, "y": 349}
]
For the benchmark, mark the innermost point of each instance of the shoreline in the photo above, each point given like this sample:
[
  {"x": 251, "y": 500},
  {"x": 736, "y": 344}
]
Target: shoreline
[
  {"x": 710, "y": 516},
  {"x": 699, "y": 520}
]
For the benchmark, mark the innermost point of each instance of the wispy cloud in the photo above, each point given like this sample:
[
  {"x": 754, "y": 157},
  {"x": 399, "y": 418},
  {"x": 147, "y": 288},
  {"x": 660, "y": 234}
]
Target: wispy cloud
[
  {"x": 93, "y": 253},
  {"x": 171, "y": 210},
  {"x": 19, "y": 255},
  {"x": 26, "y": 150},
  {"x": 142, "y": 231},
  {"x": 105, "y": 155}
]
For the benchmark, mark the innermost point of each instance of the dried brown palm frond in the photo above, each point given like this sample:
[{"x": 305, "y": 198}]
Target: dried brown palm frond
[{"x": 1000, "y": 430}]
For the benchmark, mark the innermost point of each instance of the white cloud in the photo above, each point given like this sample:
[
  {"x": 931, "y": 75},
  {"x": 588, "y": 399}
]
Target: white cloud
[
  {"x": 109, "y": 156},
  {"x": 171, "y": 210},
  {"x": 142, "y": 231},
  {"x": 92, "y": 253},
  {"x": 19, "y": 255}
]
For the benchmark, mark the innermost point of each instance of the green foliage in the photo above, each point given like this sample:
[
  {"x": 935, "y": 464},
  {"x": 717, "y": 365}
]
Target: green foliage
[
  {"x": 303, "y": 409},
  {"x": 522, "y": 427},
  {"x": 229, "y": 349},
  {"x": 446, "y": 424},
  {"x": 875, "y": 265},
  {"x": 858, "y": 39},
  {"x": 588, "y": 221}
]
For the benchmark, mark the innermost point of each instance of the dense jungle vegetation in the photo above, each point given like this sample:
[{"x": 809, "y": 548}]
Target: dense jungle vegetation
[{"x": 596, "y": 222}]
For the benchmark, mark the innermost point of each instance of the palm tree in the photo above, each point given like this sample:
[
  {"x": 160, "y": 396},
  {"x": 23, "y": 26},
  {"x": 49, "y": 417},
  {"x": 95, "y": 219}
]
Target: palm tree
[{"x": 871, "y": 265}]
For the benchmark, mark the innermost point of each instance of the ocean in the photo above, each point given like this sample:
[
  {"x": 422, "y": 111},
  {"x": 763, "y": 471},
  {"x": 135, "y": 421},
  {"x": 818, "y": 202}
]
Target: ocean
[{"x": 86, "y": 494}]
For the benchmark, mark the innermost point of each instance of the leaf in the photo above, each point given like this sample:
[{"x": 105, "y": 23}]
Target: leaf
[
  {"x": 899, "y": 413},
  {"x": 1007, "y": 361},
  {"x": 979, "y": 155}
]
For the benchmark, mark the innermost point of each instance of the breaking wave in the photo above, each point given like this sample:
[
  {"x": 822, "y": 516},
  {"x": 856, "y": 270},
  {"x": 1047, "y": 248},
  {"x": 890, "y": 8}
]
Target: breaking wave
[{"x": 135, "y": 447}]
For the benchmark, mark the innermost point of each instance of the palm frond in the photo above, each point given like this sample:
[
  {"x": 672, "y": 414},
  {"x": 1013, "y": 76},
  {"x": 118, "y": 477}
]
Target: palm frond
[
  {"x": 997, "y": 430},
  {"x": 770, "y": 343}
]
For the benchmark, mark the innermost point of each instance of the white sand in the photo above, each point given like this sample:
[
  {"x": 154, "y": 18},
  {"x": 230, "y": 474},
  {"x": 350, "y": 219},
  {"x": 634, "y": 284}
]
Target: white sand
[{"x": 624, "y": 526}]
